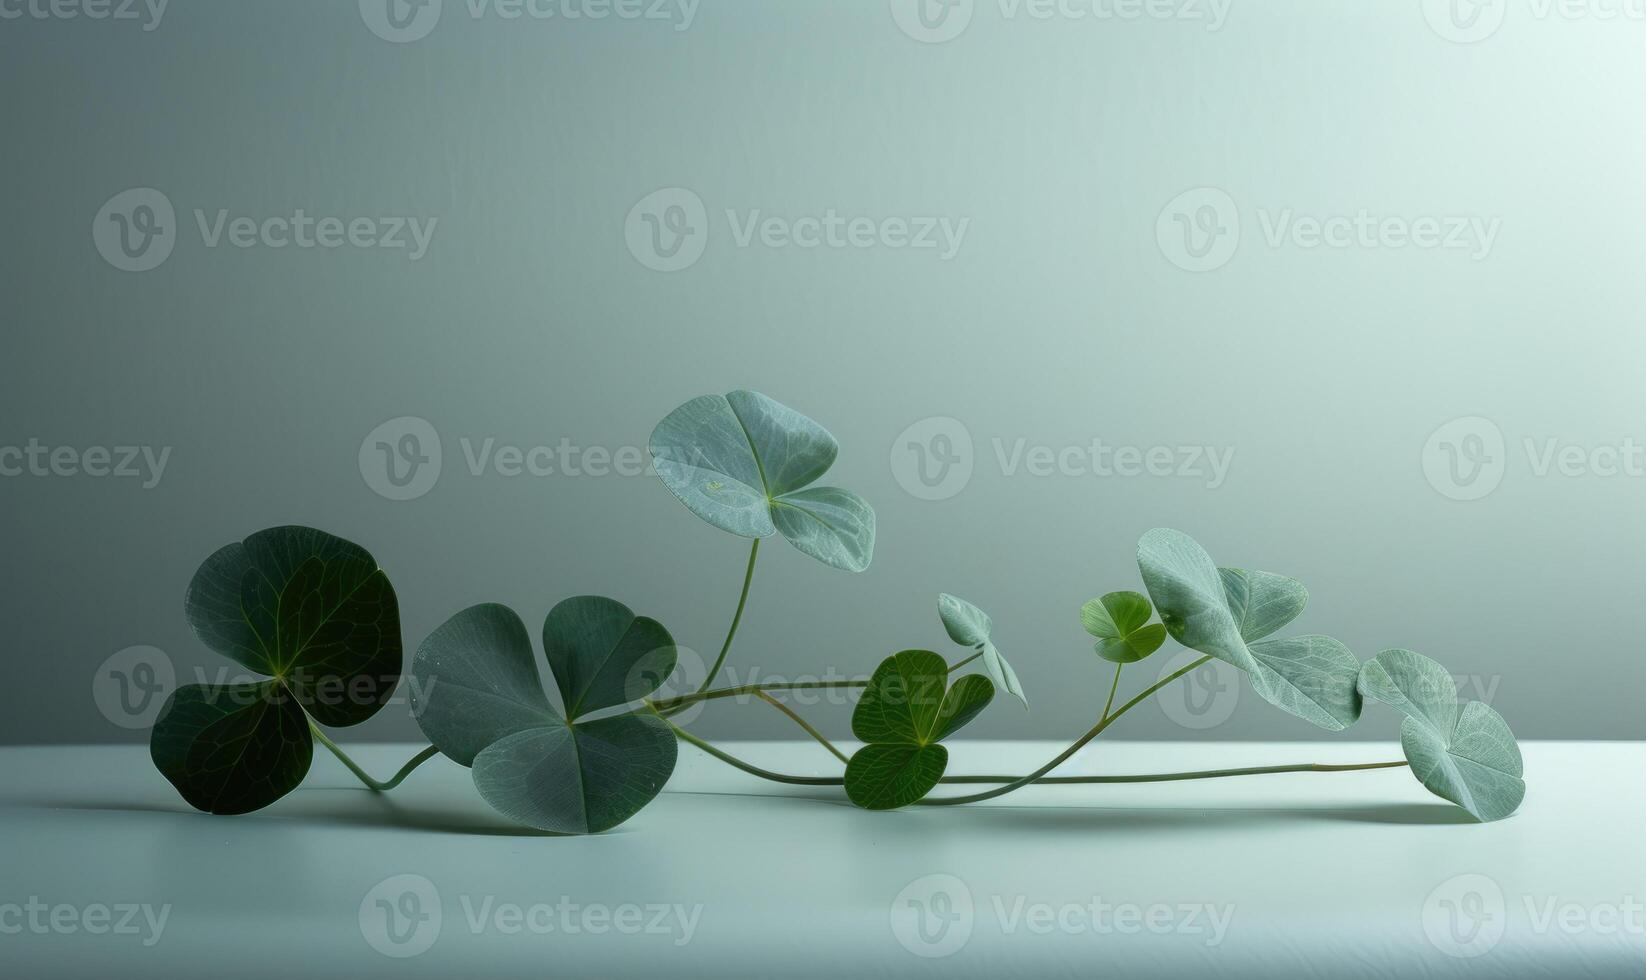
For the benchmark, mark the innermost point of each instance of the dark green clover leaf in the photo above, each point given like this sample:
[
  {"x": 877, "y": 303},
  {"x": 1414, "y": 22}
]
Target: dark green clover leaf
[
  {"x": 317, "y": 617},
  {"x": 480, "y": 700},
  {"x": 1120, "y": 621},
  {"x": 904, "y": 712},
  {"x": 1467, "y": 756},
  {"x": 1222, "y": 612},
  {"x": 745, "y": 464},
  {"x": 970, "y": 626}
]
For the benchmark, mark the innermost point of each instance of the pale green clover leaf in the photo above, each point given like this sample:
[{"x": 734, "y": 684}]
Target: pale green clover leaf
[
  {"x": 1467, "y": 755},
  {"x": 1313, "y": 677},
  {"x": 970, "y": 626},
  {"x": 746, "y": 464}
]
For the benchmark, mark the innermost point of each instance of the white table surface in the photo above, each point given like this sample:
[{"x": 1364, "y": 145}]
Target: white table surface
[{"x": 1340, "y": 874}]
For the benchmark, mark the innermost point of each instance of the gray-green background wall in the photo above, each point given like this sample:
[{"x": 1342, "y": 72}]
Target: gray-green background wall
[{"x": 1382, "y": 260}]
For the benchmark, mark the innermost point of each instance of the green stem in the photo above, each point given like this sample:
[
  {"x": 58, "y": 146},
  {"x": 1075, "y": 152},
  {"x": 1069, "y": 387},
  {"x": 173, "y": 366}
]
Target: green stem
[
  {"x": 1112, "y": 688},
  {"x": 753, "y": 770},
  {"x": 1166, "y": 777},
  {"x": 1079, "y": 743},
  {"x": 795, "y": 717},
  {"x": 676, "y": 703},
  {"x": 371, "y": 783},
  {"x": 737, "y": 617},
  {"x": 1151, "y": 777},
  {"x": 955, "y": 667}
]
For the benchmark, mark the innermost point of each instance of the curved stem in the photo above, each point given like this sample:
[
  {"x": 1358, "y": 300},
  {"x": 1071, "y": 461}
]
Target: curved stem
[
  {"x": 1063, "y": 756},
  {"x": 1149, "y": 777},
  {"x": 814, "y": 733},
  {"x": 737, "y": 617},
  {"x": 1166, "y": 777},
  {"x": 1112, "y": 688},
  {"x": 371, "y": 783},
  {"x": 753, "y": 770},
  {"x": 685, "y": 700}
]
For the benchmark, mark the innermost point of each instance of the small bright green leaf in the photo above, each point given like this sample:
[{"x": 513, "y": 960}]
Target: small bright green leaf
[
  {"x": 902, "y": 699},
  {"x": 1312, "y": 677},
  {"x": 970, "y": 626},
  {"x": 744, "y": 463},
  {"x": 1115, "y": 614},
  {"x": 577, "y": 778},
  {"x": 1468, "y": 757},
  {"x": 232, "y": 748},
  {"x": 309, "y": 609},
  {"x": 1120, "y": 621},
  {"x": 480, "y": 700},
  {"x": 602, "y": 655},
  {"x": 888, "y": 776},
  {"x": 1262, "y": 602},
  {"x": 476, "y": 682},
  {"x": 903, "y": 713}
]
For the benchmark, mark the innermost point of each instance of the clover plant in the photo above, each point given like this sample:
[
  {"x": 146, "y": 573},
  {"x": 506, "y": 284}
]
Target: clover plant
[{"x": 317, "y": 622}]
